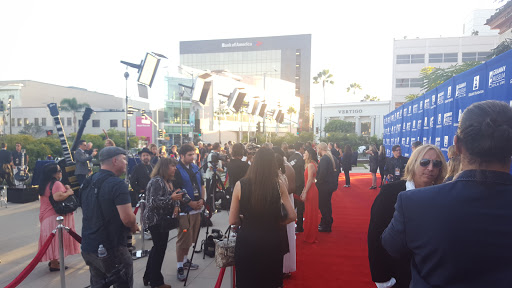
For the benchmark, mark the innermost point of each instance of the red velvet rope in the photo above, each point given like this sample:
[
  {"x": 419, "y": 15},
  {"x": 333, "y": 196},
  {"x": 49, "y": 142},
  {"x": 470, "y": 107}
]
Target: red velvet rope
[
  {"x": 30, "y": 267},
  {"x": 74, "y": 235},
  {"x": 221, "y": 275},
  {"x": 136, "y": 210}
]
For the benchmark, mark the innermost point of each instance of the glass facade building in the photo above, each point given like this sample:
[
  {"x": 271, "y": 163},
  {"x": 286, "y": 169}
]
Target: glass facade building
[
  {"x": 283, "y": 57},
  {"x": 177, "y": 111}
]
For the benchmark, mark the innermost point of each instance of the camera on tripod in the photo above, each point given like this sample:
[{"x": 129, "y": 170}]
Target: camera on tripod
[{"x": 216, "y": 156}]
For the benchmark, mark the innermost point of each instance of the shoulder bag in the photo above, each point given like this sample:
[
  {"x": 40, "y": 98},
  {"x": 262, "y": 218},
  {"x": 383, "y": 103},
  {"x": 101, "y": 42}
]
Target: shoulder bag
[{"x": 68, "y": 205}]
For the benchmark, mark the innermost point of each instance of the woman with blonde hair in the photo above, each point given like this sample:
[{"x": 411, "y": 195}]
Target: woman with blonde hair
[
  {"x": 109, "y": 142},
  {"x": 453, "y": 164},
  {"x": 426, "y": 167}
]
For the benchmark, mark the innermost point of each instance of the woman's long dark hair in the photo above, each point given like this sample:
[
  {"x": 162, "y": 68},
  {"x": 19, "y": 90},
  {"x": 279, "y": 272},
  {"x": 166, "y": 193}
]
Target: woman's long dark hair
[
  {"x": 263, "y": 177},
  {"x": 48, "y": 171},
  {"x": 313, "y": 157},
  {"x": 348, "y": 149},
  {"x": 279, "y": 158}
]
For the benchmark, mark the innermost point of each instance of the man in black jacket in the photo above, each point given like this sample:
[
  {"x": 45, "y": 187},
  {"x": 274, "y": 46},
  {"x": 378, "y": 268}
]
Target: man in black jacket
[
  {"x": 141, "y": 173},
  {"x": 6, "y": 166},
  {"x": 297, "y": 161},
  {"x": 327, "y": 183},
  {"x": 395, "y": 165}
]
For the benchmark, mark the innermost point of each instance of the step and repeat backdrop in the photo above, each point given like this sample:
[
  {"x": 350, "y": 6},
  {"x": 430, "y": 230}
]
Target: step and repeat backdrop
[{"x": 434, "y": 117}]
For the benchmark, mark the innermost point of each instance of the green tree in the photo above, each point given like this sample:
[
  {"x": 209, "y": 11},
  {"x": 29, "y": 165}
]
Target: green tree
[
  {"x": 340, "y": 126},
  {"x": 435, "y": 76},
  {"x": 368, "y": 97},
  {"x": 71, "y": 104},
  {"x": 503, "y": 47},
  {"x": 411, "y": 97},
  {"x": 354, "y": 87},
  {"x": 32, "y": 129},
  {"x": 323, "y": 77}
]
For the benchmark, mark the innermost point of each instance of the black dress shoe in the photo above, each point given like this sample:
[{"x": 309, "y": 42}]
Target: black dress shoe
[
  {"x": 145, "y": 281},
  {"x": 324, "y": 229},
  {"x": 57, "y": 269}
]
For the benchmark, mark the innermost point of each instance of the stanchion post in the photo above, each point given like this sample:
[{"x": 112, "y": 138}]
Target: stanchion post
[{"x": 60, "y": 227}]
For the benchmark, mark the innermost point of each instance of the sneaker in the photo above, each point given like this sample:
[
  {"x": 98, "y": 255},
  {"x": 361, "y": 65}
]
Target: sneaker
[
  {"x": 181, "y": 274},
  {"x": 346, "y": 186},
  {"x": 191, "y": 266}
]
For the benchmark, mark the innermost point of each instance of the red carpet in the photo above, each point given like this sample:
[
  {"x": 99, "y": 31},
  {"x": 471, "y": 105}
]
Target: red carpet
[{"x": 340, "y": 258}]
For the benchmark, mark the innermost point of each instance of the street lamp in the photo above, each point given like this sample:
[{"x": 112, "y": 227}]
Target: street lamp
[{"x": 10, "y": 113}]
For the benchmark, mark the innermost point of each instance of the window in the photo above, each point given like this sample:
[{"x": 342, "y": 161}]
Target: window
[
  {"x": 410, "y": 59},
  {"x": 20, "y": 123},
  {"x": 443, "y": 57},
  {"x": 43, "y": 121},
  {"x": 475, "y": 56},
  {"x": 124, "y": 123},
  {"x": 69, "y": 121},
  {"x": 36, "y": 121},
  {"x": 408, "y": 82},
  {"x": 113, "y": 123},
  {"x": 25, "y": 121},
  {"x": 95, "y": 123}
]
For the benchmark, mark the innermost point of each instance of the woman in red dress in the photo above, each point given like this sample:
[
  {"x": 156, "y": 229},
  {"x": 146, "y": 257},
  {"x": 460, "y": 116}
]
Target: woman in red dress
[{"x": 310, "y": 196}]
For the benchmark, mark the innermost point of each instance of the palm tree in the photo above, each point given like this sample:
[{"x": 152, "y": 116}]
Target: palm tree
[
  {"x": 290, "y": 112},
  {"x": 71, "y": 104},
  {"x": 325, "y": 78},
  {"x": 354, "y": 86}
]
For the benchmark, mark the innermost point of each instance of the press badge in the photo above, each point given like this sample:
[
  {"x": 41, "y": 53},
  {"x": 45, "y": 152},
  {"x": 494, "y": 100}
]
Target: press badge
[{"x": 397, "y": 171}]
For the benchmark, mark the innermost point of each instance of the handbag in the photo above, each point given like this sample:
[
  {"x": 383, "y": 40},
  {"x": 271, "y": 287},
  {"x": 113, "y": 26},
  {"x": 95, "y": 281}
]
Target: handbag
[
  {"x": 225, "y": 251},
  {"x": 167, "y": 223},
  {"x": 66, "y": 206}
]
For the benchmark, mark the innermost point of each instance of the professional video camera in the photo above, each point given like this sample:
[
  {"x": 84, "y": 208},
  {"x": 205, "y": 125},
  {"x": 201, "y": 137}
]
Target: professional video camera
[{"x": 216, "y": 156}]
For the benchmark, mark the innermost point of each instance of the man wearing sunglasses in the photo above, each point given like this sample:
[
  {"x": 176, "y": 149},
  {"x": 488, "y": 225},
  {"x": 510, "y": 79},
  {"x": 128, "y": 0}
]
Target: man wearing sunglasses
[{"x": 395, "y": 165}]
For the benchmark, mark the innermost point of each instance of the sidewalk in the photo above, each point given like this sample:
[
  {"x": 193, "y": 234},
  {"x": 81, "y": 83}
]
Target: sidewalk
[{"x": 20, "y": 224}]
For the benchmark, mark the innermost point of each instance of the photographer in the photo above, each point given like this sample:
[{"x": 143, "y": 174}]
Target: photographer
[
  {"x": 188, "y": 177},
  {"x": 209, "y": 172},
  {"x": 161, "y": 216}
]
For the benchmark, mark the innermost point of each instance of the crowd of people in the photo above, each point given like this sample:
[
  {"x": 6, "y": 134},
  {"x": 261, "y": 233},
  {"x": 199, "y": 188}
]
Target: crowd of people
[{"x": 425, "y": 222}]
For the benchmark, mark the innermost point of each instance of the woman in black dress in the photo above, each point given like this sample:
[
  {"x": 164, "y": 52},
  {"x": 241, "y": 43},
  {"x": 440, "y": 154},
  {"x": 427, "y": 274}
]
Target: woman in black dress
[
  {"x": 256, "y": 207},
  {"x": 382, "y": 163},
  {"x": 374, "y": 164}
]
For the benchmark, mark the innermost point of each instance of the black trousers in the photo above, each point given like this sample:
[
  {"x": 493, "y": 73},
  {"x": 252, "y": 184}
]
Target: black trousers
[
  {"x": 325, "y": 206},
  {"x": 347, "y": 177},
  {"x": 156, "y": 256},
  {"x": 300, "y": 206}
]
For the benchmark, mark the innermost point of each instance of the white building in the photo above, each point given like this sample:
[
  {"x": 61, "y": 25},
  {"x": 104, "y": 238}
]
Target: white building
[
  {"x": 368, "y": 116},
  {"x": 411, "y": 55},
  {"x": 475, "y": 23},
  {"x": 29, "y": 100}
]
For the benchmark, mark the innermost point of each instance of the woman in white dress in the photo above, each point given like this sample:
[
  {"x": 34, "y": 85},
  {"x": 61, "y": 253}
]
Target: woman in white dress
[{"x": 287, "y": 174}]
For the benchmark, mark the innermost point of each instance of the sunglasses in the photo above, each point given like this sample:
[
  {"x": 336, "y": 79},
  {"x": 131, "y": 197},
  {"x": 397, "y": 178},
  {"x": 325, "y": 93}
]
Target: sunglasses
[{"x": 435, "y": 163}]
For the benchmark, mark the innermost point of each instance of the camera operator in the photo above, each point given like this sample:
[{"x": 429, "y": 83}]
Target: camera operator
[
  {"x": 209, "y": 172},
  {"x": 188, "y": 178}
]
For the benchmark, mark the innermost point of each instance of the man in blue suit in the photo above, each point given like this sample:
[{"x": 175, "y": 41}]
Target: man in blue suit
[{"x": 460, "y": 233}]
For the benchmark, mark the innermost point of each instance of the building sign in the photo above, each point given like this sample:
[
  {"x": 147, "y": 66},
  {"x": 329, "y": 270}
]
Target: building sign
[
  {"x": 241, "y": 44},
  {"x": 351, "y": 111},
  {"x": 144, "y": 128}
]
